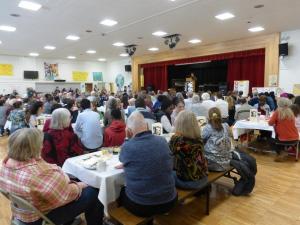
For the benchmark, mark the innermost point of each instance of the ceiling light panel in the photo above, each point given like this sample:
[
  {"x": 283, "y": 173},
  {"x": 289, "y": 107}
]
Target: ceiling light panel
[
  {"x": 33, "y": 6},
  {"x": 124, "y": 55},
  {"x": 73, "y": 37},
  {"x": 102, "y": 59},
  {"x": 256, "y": 29},
  {"x": 108, "y": 22},
  {"x": 225, "y": 16},
  {"x": 34, "y": 54},
  {"x": 90, "y": 51},
  {"x": 49, "y": 47},
  {"x": 159, "y": 33},
  {"x": 154, "y": 49},
  {"x": 195, "y": 41},
  {"x": 119, "y": 44},
  {"x": 7, "y": 28},
  {"x": 71, "y": 57}
]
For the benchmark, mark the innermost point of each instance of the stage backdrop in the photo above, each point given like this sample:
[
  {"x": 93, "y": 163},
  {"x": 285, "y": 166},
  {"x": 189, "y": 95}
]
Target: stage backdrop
[{"x": 243, "y": 65}]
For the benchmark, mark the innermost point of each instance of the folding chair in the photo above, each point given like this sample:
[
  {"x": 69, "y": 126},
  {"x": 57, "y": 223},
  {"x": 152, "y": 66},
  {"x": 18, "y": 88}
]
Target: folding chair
[
  {"x": 290, "y": 144},
  {"x": 20, "y": 203}
]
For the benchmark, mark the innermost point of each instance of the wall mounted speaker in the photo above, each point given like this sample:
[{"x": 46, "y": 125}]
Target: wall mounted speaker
[
  {"x": 127, "y": 68},
  {"x": 284, "y": 49}
]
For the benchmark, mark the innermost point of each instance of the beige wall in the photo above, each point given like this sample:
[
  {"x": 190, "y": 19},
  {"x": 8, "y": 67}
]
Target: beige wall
[{"x": 269, "y": 42}]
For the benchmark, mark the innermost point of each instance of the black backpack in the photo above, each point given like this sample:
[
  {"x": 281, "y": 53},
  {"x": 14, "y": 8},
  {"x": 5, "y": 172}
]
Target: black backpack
[{"x": 246, "y": 167}]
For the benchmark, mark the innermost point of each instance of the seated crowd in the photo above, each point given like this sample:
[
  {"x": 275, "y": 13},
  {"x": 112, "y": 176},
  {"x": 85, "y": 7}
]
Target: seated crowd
[{"x": 153, "y": 168}]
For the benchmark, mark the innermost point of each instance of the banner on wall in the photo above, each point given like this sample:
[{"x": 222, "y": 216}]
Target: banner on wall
[
  {"x": 242, "y": 85},
  {"x": 51, "y": 71},
  {"x": 6, "y": 69},
  {"x": 97, "y": 76},
  {"x": 80, "y": 76},
  {"x": 120, "y": 80}
]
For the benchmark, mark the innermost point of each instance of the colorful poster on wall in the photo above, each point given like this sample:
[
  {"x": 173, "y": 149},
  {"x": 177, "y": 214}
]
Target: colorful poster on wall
[
  {"x": 80, "y": 76},
  {"x": 97, "y": 76},
  {"x": 120, "y": 80},
  {"x": 6, "y": 69},
  {"x": 51, "y": 71},
  {"x": 273, "y": 80},
  {"x": 242, "y": 85},
  {"x": 296, "y": 89}
]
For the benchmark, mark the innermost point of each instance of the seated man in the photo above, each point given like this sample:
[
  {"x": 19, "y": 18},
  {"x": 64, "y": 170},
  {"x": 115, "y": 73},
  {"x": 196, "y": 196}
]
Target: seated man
[
  {"x": 114, "y": 135},
  {"x": 146, "y": 158},
  {"x": 88, "y": 127}
]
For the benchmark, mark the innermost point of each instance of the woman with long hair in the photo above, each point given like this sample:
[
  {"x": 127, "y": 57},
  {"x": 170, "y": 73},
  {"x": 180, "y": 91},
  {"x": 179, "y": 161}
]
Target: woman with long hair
[
  {"x": 216, "y": 136},
  {"x": 231, "y": 110},
  {"x": 187, "y": 147},
  {"x": 283, "y": 120}
]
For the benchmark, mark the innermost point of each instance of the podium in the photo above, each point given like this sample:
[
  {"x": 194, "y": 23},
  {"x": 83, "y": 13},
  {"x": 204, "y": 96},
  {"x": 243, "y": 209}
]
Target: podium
[{"x": 190, "y": 84}]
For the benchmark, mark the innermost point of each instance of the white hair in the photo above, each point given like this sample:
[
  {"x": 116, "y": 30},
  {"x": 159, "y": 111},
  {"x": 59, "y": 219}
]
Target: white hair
[
  {"x": 195, "y": 99},
  {"x": 60, "y": 119},
  {"x": 136, "y": 121},
  {"x": 205, "y": 96}
]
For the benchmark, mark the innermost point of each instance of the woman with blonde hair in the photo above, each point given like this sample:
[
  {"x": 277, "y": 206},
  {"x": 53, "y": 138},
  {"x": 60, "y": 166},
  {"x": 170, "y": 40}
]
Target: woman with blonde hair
[
  {"x": 283, "y": 120},
  {"x": 231, "y": 110},
  {"x": 187, "y": 147},
  {"x": 45, "y": 185},
  {"x": 216, "y": 136}
]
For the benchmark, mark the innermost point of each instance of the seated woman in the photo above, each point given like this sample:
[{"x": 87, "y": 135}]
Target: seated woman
[
  {"x": 283, "y": 120},
  {"x": 187, "y": 147},
  {"x": 17, "y": 116},
  {"x": 164, "y": 115},
  {"x": 50, "y": 190},
  {"x": 262, "y": 105},
  {"x": 60, "y": 142},
  {"x": 113, "y": 103},
  {"x": 216, "y": 136},
  {"x": 114, "y": 134},
  {"x": 35, "y": 111},
  {"x": 179, "y": 106},
  {"x": 296, "y": 110}
]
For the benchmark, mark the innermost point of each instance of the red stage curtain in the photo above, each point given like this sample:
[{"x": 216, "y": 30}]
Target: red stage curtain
[
  {"x": 156, "y": 76},
  {"x": 243, "y": 65},
  {"x": 250, "y": 68}
]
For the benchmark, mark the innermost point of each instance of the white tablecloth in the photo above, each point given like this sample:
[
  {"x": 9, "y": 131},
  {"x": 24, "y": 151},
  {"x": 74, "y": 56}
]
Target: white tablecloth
[
  {"x": 109, "y": 182},
  {"x": 7, "y": 125},
  {"x": 242, "y": 125}
]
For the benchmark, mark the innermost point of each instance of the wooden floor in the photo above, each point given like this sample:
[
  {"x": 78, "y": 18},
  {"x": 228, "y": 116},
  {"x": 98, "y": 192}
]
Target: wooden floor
[{"x": 274, "y": 201}]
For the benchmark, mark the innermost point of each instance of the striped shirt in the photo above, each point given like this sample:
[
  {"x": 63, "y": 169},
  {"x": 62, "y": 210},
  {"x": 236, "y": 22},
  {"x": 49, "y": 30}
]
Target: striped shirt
[{"x": 42, "y": 184}]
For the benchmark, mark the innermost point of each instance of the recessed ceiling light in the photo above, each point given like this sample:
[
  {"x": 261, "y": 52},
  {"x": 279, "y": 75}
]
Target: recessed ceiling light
[
  {"x": 256, "y": 29},
  {"x": 119, "y": 44},
  {"x": 72, "y": 37},
  {"x": 225, "y": 16},
  {"x": 159, "y": 33},
  {"x": 30, "y": 5},
  {"x": 102, "y": 59},
  {"x": 34, "y": 54},
  {"x": 195, "y": 41},
  {"x": 109, "y": 22},
  {"x": 154, "y": 49},
  {"x": 7, "y": 28},
  {"x": 49, "y": 47},
  {"x": 90, "y": 51},
  {"x": 0, "y": 42},
  {"x": 124, "y": 55},
  {"x": 71, "y": 57}
]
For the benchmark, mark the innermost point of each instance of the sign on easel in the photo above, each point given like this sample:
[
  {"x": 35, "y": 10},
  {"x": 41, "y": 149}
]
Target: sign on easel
[{"x": 242, "y": 85}]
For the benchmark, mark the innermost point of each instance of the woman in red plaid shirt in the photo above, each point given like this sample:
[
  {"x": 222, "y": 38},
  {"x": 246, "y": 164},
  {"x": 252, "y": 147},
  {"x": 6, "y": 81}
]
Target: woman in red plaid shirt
[{"x": 45, "y": 185}]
